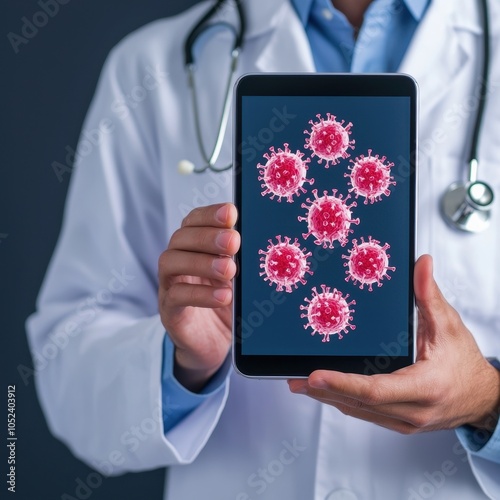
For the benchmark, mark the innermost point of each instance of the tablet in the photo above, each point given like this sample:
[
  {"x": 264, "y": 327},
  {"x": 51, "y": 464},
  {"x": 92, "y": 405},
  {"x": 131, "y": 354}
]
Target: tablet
[{"x": 325, "y": 190}]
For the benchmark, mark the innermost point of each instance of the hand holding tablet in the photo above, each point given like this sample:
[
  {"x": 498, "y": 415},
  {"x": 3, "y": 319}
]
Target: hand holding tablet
[{"x": 325, "y": 188}]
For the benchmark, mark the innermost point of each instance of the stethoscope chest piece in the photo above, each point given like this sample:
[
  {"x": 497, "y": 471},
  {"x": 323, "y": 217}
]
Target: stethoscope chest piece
[{"x": 468, "y": 206}]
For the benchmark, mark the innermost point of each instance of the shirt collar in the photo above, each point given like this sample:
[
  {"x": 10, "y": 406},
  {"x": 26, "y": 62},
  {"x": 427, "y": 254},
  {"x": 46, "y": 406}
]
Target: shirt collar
[
  {"x": 303, "y": 9},
  {"x": 415, "y": 7}
]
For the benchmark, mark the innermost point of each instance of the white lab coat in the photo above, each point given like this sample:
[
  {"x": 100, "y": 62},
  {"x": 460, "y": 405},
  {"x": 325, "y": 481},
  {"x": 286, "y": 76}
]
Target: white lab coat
[{"x": 97, "y": 336}]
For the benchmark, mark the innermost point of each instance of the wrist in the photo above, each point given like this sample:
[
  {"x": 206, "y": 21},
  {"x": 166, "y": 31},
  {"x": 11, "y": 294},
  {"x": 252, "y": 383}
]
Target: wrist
[
  {"x": 188, "y": 375},
  {"x": 488, "y": 420}
]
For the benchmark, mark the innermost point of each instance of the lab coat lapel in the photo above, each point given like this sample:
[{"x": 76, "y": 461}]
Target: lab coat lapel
[
  {"x": 437, "y": 53},
  {"x": 288, "y": 49}
]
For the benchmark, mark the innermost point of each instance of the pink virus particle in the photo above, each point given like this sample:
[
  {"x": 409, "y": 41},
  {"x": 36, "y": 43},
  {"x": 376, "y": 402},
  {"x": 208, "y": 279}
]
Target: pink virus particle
[
  {"x": 370, "y": 177},
  {"x": 284, "y": 264},
  {"x": 328, "y": 218},
  {"x": 367, "y": 263},
  {"x": 284, "y": 173},
  {"x": 328, "y": 313},
  {"x": 329, "y": 139}
]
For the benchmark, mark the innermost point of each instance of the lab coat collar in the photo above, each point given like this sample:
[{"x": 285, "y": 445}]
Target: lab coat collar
[
  {"x": 288, "y": 47},
  {"x": 439, "y": 43},
  {"x": 261, "y": 15}
]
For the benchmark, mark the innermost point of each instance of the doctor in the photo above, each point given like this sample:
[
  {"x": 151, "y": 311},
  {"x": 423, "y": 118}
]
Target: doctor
[{"x": 137, "y": 259}]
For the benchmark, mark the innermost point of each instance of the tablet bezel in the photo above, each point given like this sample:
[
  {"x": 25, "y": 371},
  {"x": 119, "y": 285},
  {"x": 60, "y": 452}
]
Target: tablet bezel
[{"x": 388, "y": 85}]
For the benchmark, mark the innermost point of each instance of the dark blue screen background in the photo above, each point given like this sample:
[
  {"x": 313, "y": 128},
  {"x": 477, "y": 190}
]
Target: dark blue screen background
[{"x": 379, "y": 123}]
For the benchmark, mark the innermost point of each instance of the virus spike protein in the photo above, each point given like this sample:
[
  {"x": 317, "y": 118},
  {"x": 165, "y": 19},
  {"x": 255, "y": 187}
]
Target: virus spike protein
[
  {"x": 328, "y": 218},
  {"x": 367, "y": 263},
  {"x": 370, "y": 177},
  {"x": 329, "y": 139},
  {"x": 284, "y": 173},
  {"x": 328, "y": 313},
  {"x": 284, "y": 264}
]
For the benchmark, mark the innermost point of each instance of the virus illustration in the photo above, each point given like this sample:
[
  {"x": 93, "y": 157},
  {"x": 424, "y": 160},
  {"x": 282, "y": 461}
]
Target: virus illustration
[
  {"x": 370, "y": 177},
  {"x": 329, "y": 139},
  {"x": 328, "y": 313},
  {"x": 284, "y": 264},
  {"x": 284, "y": 173},
  {"x": 328, "y": 218},
  {"x": 367, "y": 263}
]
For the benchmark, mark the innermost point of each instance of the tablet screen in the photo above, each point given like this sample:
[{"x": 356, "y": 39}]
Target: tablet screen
[{"x": 325, "y": 190}]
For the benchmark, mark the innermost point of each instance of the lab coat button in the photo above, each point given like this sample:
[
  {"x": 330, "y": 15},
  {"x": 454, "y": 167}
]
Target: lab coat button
[
  {"x": 342, "y": 494},
  {"x": 327, "y": 14}
]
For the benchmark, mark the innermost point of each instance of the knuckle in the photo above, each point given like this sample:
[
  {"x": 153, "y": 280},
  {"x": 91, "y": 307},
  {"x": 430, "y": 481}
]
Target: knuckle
[
  {"x": 407, "y": 430},
  {"x": 372, "y": 396},
  {"x": 176, "y": 235},
  {"x": 191, "y": 216},
  {"x": 171, "y": 294},
  {"x": 355, "y": 403},
  {"x": 204, "y": 240},
  {"x": 435, "y": 393},
  {"x": 344, "y": 409},
  {"x": 162, "y": 261},
  {"x": 420, "y": 420},
  {"x": 163, "y": 268}
]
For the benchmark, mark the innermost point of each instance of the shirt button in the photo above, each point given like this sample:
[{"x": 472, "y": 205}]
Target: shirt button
[
  {"x": 327, "y": 14},
  {"x": 342, "y": 494}
]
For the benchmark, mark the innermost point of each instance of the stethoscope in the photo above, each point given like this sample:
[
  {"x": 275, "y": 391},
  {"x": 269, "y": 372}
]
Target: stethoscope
[
  {"x": 466, "y": 205},
  {"x": 186, "y": 166}
]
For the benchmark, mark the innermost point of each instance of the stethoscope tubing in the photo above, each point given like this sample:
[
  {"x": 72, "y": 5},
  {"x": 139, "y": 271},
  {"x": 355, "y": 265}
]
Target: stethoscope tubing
[{"x": 194, "y": 34}]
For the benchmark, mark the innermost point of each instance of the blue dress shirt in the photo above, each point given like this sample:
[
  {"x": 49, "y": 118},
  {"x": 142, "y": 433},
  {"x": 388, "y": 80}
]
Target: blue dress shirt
[
  {"x": 387, "y": 30},
  {"x": 380, "y": 46}
]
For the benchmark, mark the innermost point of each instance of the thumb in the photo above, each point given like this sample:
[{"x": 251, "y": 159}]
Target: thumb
[{"x": 430, "y": 300}]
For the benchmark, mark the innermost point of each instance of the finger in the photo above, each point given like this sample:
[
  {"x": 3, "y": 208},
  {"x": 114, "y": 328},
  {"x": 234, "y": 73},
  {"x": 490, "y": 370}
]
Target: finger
[
  {"x": 220, "y": 215},
  {"x": 179, "y": 263},
  {"x": 370, "y": 390},
  {"x": 393, "y": 424},
  {"x": 187, "y": 294},
  {"x": 414, "y": 413},
  {"x": 429, "y": 299},
  {"x": 207, "y": 240}
]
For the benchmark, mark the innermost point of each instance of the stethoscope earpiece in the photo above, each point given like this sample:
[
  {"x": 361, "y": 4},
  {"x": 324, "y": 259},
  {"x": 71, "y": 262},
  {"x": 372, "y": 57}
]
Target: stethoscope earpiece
[{"x": 185, "y": 167}]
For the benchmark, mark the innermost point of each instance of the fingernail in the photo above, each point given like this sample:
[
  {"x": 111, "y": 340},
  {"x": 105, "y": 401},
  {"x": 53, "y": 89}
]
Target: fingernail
[
  {"x": 318, "y": 384},
  {"x": 221, "y": 214},
  {"x": 223, "y": 239},
  {"x": 220, "y": 265},
  {"x": 221, "y": 295},
  {"x": 300, "y": 390}
]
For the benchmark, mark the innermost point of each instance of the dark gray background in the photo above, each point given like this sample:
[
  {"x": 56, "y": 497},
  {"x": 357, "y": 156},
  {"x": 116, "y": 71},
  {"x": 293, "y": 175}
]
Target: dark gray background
[{"x": 46, "y": 89}]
